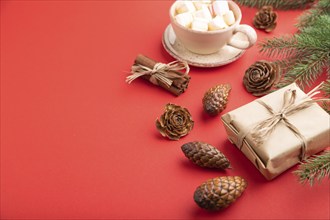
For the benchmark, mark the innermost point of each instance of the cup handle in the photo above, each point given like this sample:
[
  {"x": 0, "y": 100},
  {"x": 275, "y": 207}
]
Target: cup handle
[{"x": 249, "y": 32}]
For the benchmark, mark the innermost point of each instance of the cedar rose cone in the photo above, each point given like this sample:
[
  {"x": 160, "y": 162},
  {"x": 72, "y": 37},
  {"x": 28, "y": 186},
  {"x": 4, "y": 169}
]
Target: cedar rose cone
[
  {"x": 260, "y": 77},
  {"x": 265, "y": 19},
  {"x": 219, "y": 192},
  {"x": 175, "y": 123}
]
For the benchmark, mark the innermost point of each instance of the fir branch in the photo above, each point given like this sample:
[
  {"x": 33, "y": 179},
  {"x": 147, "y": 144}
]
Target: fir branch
[
  {"x": 313, "y": 47},
  {"x": 308, "y": 18},
  {"x": 306, "y": 71},
  {"x": 316, "y": 33},
  {"x": 323, "y": 4},
  {"x": 320, "y": 8},
  {"x": 326, "y": 92},
  {"x": 305, "y": 55},
  {"x": 326, "y": 88},
  {"x": 279, "y": 47},
  {"x": 277, "y": 4},
  {"x": 310, "y": 40},
  {"x": 315, "y": 168}
]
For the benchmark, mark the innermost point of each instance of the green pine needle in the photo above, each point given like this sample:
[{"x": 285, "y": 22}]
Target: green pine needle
[
  {"x": 305, "y": 55},
  {"x": 307, "y": 70},
  {"x": 280, "y": 47},
  {"x": 326, "y": 88},
  {"x": 277, "y": 4},
  {"x": 314, "y": 169},
  {"x": 307, "y": 19},
  {"x": 326, "y": 92}
]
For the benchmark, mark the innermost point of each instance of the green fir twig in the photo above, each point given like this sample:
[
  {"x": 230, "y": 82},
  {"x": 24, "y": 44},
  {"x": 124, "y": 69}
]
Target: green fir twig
[
  {"x": 303, "y": 56},
  {"x": 306, "y": 71},
  {"x": 280, "y": 47},
  {"x": 308, "y": 18},
  {"x": 326, "y": 93},
  {"x": 326, "y": 88},
  {"x": 277, "y": 4},
  {"x": 314, "y": 169}
]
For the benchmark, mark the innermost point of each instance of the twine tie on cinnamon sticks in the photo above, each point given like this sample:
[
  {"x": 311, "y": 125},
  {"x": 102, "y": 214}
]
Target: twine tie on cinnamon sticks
[
  {"x": 160, "y": 72},
  {"x": 263, "y": 129},
  {"x": 168, "y": 76}
]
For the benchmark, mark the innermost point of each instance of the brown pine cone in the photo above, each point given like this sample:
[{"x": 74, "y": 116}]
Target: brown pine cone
[
  {"x": 205, "y": 155},
  {"x": 175, "y": 123},
  {"x": 260, "y": 77},
  {"x": 265, "y": 19},
  {"x": 220, "y": 192},
  {"x": 216, "y": 98}
]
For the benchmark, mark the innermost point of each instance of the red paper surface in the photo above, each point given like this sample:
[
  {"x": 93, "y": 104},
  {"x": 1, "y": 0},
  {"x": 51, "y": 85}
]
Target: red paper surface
[{"x": 78, "y": 142}]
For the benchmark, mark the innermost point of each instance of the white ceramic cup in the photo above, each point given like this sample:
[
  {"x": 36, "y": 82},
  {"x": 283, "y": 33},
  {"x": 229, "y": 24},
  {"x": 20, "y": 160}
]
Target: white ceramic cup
[{"x": 207, "y": 42}]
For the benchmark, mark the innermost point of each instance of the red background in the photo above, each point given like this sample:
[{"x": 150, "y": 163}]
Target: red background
[{"x": 78, "y": 142}]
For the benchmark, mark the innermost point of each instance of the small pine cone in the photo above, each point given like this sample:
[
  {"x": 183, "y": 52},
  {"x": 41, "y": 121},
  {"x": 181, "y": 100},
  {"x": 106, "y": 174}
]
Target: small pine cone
[
  {"x": 205, "y": 155},
  {"x": 265, "y": 19},
  {"x": 220, "y": 192},
  {"x": 216, "y": 98}
]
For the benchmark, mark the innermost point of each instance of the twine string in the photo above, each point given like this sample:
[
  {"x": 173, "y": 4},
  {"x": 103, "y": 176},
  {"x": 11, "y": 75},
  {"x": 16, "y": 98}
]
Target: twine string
[
  {"x": 161, "y": 72},
  {"x": 263, "y": 129}
]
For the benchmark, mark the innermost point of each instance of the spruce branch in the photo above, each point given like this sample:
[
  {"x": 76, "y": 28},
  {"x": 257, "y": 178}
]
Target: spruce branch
[
  {"x": 307, "y": 70},
  {"x": 280, "y": 47},
  {"x": 326, "y": 88},
  {"x": 326, "y": 92},
  {"x": 315, "y": 168},
  {"x": 303, "y": 56},
  {"x": 310, "y": 40},
  {"x": 277, "y": 4},
  {"x": 320, "y": 8}
]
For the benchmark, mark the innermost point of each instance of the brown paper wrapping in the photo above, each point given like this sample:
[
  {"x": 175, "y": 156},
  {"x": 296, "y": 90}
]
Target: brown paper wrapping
[{"x": 281, "y": 149}]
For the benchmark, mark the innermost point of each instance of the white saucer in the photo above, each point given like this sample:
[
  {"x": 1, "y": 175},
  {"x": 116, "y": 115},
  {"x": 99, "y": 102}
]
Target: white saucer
[{"x": 224, "y": 56}]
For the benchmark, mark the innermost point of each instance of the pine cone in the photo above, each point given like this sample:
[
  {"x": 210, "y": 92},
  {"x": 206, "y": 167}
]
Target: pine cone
[
  {"x": 260, "y": 77},
  {"x": 220, "y": 192},
  {"x": 216, "y": 98},
  {"x": 175, "y": 123},
  {"x": 265, "y": 19},
  {"x": 205, "y": 155}
]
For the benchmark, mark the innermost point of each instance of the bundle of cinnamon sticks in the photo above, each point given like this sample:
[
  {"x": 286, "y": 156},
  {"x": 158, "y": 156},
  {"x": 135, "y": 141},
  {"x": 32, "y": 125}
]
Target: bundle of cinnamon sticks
[{"x": 178, "y": 80}]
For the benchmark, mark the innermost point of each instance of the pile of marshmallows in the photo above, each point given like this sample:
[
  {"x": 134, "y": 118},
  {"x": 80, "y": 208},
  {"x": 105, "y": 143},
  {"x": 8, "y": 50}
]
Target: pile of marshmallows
[{"x": 204, "y": 15}]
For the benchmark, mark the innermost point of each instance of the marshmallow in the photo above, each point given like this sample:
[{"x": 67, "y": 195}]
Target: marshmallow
[
  {"x": 220, "y": 7},
  {"x": 229, "y": 18},
  {"x": 211, "y": 10},
  {"x": 184, "y": 19},
  {"x": 199, "y": 24},
  {"x": 184, "y": 6},
  {"x": 217, "y": 23},
  {"x": 203, "y": 13},
  {"x": 201, "y": 4}
]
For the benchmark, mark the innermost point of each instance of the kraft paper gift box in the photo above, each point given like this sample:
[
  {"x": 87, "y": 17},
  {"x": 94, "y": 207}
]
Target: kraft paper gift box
[{"x": 277, "y": 131}]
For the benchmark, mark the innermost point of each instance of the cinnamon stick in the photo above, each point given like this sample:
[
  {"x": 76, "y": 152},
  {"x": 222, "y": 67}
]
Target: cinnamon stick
[{"x": 179, "y": 84}]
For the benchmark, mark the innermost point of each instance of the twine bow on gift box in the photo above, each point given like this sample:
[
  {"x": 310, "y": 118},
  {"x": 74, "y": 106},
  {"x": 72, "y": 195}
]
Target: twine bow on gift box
[{"x": 263, "y": 129}]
